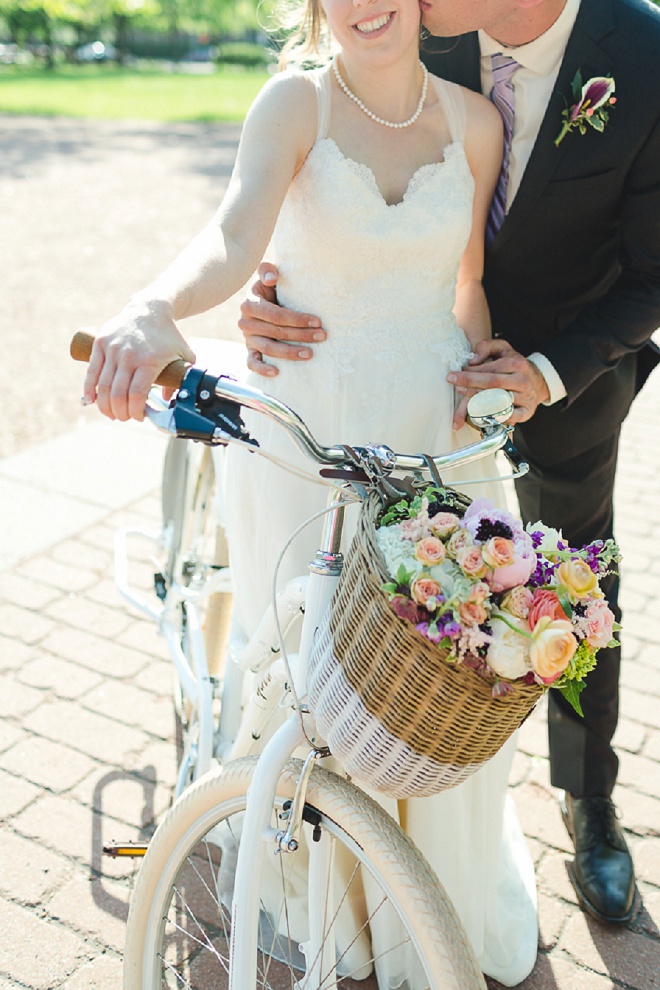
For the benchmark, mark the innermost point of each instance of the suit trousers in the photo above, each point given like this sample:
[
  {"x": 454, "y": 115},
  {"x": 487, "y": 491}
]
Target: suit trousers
[{"x": 577, "y": 497}]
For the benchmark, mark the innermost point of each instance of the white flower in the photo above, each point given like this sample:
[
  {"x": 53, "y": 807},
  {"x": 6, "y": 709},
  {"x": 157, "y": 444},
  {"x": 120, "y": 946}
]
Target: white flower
[
  {"x": 508, "y": 653},
  {"x": 550, "y": 537}
]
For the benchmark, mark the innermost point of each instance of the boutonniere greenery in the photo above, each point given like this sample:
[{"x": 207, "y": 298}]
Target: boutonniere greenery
[{"x": 592, "y": 102}]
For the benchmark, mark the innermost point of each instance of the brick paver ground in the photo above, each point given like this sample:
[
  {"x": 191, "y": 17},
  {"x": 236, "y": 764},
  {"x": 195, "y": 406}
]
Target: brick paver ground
[{"x": 87, "y": 756}]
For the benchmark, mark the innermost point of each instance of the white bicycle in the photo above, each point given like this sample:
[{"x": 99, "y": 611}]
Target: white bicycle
[{"x": 271, "y": 872}]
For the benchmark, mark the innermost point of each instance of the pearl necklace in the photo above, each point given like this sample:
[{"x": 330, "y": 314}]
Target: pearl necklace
[{"x": 369, "y": 113}]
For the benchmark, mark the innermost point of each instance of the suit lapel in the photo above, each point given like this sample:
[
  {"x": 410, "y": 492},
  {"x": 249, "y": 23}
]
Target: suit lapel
[{"x": 584, "y": 53}]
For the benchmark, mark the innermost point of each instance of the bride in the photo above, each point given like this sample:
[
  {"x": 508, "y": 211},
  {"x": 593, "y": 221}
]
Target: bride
[{"x": 373, "y": 180}]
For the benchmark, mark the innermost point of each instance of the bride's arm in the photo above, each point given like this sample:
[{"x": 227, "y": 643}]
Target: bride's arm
[
  {"x": 483, "y": 147},
  {"x": 134, "y": 346}
]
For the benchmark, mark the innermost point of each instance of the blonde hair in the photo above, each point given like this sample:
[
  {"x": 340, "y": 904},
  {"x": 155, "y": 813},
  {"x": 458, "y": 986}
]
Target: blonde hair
[{"x": 304, "y": 25}]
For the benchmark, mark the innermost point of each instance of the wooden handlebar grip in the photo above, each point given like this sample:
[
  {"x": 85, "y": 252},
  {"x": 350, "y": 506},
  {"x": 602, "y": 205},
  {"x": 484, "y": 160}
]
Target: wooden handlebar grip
[{"x": 170, "y": 377}]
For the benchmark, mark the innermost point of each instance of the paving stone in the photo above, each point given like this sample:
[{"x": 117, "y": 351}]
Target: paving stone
[
  {"x": 630, "y": 736},
  {"x": 46, "y": 763},
  {"x": 103, "y": 973},
  {"x": 132, "y": 706},
  {"x": 34, "y": 952},
  {"x": 104, "y": 656},
  {"x": 56, "y": 574},
  {"x": 84, "y": 614},
  {"x": 540, "y": 816},
  {"x": 26, "y": 591},
  {"x": 9, "y": 735},
  {"x": 647, "y": 861},
  {"x": 640, "y": 773},
  {"x": 13, "y": 652},
  {"x": 552, "y": 876},
  {"x": 66, "y": 680},
  {"x": 643, "y": 708},
  {"x": 624, "y": 956},
  {"x": 143, "y": 635},
  {"x": 64, "y": 825},
  {"x": 16, "y": 699},
  {"x": 124, "y": 796},
  {"x": 639, "y": 812},
  {"x": 24, "y": 625},
  {"x": 28, "y": 872},
  {"x": 68, "y": 723},
  {"x": 77, "y": 553},
  {"x": 553, "y": 916},
  {"x": 15, "y": 794},
  {"x": 95, "y": 907}
]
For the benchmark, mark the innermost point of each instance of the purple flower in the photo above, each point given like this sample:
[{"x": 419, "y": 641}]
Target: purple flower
[{"x": 595, "y": 93}]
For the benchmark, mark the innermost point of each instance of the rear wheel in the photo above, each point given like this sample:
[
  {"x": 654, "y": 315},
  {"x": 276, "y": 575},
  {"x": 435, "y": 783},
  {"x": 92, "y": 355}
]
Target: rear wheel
[
  {"x": 196, "y": 550},
  {"x": 386, "y": 920}
]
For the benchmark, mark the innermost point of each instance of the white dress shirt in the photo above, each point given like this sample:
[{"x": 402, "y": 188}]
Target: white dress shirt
[{"x": 532, "y": 86}]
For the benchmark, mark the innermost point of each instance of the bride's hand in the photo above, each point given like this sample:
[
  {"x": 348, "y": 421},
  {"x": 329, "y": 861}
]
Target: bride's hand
[
  {"x": 128, "y": 355},
  {"x": 268, "y": 327},
  {"x": 497, "y": 365}
]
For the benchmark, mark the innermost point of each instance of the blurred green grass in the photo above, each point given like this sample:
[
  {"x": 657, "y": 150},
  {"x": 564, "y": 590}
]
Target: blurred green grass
[{"x": 145, "y": 93}]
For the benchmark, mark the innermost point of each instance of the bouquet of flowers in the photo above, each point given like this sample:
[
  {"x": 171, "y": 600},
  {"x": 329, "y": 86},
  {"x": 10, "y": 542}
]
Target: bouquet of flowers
[{"x": 510, "y": 603}]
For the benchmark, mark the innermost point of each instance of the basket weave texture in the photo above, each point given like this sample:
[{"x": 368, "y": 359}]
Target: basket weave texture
[{"x": 441, "y": 711}]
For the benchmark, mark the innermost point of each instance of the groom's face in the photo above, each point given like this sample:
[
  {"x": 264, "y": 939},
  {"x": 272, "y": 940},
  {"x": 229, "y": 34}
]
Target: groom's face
[{"x": 447, "y": 18}]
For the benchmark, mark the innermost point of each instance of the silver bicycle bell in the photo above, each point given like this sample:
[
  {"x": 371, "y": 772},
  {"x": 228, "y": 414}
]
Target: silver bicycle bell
[{"x": 490, "y": 405}]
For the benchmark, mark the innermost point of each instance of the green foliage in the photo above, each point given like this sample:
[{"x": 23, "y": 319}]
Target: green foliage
[
  {"x": 244, "y": 53},
  {"x": 109, "y": 92}
]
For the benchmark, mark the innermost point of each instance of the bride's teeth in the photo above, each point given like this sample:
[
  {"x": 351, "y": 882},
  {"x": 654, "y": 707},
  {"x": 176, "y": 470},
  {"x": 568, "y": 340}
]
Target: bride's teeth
[{"x": 366, "y": 27}]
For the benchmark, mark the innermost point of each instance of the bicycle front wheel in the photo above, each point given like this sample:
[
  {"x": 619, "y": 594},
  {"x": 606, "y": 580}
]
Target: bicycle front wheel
[{"x": 386, "y": 919}]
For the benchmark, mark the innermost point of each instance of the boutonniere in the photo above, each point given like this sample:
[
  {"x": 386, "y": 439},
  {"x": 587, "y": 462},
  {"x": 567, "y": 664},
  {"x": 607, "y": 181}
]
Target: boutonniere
[{"x": 592, "y": 102}]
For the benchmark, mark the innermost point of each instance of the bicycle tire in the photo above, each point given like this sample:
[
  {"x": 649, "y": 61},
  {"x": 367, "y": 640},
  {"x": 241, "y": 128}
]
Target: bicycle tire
[{"x": 166, "y": 946}]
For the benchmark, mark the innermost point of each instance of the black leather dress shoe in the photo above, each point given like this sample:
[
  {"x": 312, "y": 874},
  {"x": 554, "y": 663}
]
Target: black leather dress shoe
[{"x": 602, "y": 872}]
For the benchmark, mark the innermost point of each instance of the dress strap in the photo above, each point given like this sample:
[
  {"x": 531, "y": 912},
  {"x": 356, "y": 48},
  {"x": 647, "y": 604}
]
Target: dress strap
[
  {"x": 322, "y": 84},
  {"x": 453, "y": 103}
]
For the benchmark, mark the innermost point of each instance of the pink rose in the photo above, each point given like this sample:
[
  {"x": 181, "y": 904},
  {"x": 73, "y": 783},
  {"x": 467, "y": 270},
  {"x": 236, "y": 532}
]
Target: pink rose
[
  {"x": 424, "y": 588},
  {"x": 430, "y": 551},
  {"x": 517, "y": 572},
  {"x": 471, "y": 562},
  {"x": 443, "y": 524},
  {"x": 498, "y": 552},
  {"x": 413, "y": 530},
  {"x": 517, "y": 601},
  {"x": 544, "y": 603},
  {"x": 458, "y": 541},
  {"x": 599, "y": 620},
  {"x": 553, "y": 646}
]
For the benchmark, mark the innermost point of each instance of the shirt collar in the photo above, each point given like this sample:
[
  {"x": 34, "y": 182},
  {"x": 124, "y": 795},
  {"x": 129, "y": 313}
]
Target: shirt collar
[{"x": 543, "y": 54}]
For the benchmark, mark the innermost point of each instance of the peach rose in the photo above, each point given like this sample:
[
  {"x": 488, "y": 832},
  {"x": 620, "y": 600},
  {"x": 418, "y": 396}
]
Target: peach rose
[
  {"x": 424, "y": 588},
  {"x": 471, "y": 562},
  {"x": 553, "y": 645},
  {"x": 517, "y": 601},
  {"x": 599, "y": 620},
  {"x": 479, "y": 592},
  {"x": 458, "y": 541},
  {"x": 577, "y": 577},
  {"x": 498, "y": 552},
  {"x": 430, "y": 551},
  {"x": 472, "y": 613},
  {"x": 544, "y": 603},
  {"x": 443, "y": 524}
]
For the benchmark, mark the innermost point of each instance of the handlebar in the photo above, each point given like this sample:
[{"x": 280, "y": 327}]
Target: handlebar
[{"x": 198, "y": 391}]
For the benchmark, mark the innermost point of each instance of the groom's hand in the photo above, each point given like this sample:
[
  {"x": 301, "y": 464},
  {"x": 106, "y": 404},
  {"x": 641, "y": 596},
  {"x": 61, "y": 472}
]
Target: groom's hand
[
  {"x": 496, "y": 365},
  {"x": 268, "y": 328}
]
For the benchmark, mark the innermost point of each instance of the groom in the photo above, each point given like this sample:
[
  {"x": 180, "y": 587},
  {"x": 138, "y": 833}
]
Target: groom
[{"x": 572, "y": 277}]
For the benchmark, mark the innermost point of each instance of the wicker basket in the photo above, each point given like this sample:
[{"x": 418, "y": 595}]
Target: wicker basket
[{"x": 398, "y": 716}]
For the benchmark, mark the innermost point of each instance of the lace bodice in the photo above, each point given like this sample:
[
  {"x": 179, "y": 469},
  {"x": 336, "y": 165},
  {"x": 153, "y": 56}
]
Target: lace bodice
[{"x": 380, "y": 276}]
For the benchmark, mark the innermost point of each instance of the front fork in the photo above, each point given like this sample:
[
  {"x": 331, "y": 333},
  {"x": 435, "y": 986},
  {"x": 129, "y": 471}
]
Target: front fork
[{"x": 257, "y": 832}]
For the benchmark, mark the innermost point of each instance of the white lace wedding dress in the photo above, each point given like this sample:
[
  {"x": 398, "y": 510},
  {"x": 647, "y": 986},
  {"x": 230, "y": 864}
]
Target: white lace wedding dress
[{"x": 381, "y": 277}]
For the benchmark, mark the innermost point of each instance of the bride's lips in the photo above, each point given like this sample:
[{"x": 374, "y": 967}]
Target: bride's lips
[{"x": 390, "y": 14}]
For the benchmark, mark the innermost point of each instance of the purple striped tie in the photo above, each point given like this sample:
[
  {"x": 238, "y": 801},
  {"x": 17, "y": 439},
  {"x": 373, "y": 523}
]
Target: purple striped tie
[{"x": 503, "y": 98}]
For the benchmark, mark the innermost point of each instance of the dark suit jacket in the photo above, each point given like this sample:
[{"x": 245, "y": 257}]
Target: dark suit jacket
[{"x": 575, "y": 270}]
